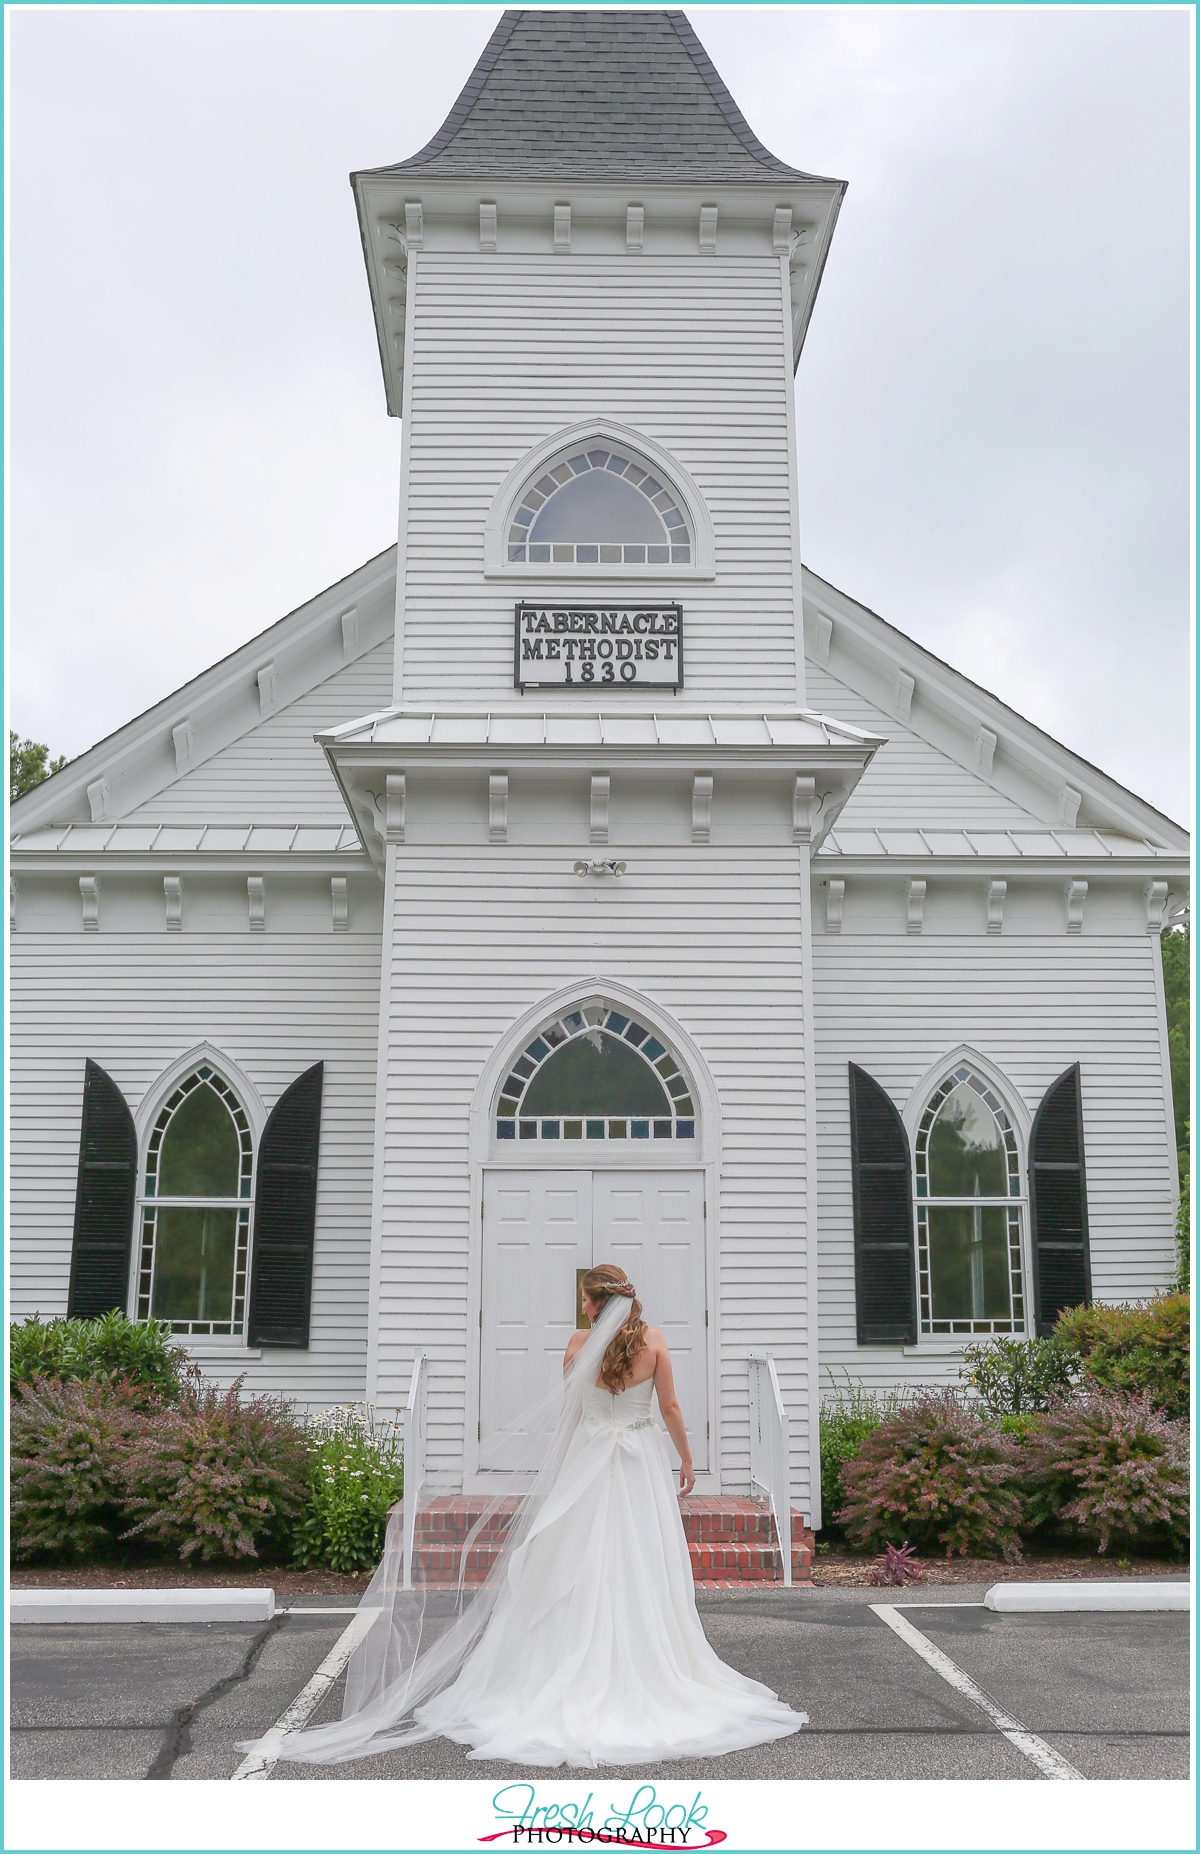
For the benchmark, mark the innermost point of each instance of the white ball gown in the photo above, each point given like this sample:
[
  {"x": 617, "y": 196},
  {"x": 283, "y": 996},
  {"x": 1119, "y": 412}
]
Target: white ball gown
[{"x": 583, "y": 1647}]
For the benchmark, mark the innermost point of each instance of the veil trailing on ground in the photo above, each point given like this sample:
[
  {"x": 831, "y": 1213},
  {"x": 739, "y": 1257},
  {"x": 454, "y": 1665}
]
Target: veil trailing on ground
[{"x": 402, "y": 1656}]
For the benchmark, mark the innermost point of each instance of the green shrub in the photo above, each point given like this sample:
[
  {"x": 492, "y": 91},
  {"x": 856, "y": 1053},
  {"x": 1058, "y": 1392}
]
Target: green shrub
[
  {"x": 69, "y": 1446},
  {"x": 109, "y": 1347},
  {"x": 1183, "y": 1237},
  {"x": 1014, "y": 1376},
  {"x": 214, "y": 1475},
  {"x": 1110, "y": 1466},
  {"x": 1144, "y": 1347},
  {"x": 847, "y": 1418},
  {"x": 938, "y": 1474},
  {"x": 1023, "y": 1426},
  {"x": 356, "y": 1474}
]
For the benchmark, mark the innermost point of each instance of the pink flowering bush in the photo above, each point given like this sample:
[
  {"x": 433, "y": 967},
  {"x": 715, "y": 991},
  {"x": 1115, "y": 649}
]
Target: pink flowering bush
[
  {"x": 69, "y": 1442},
  {"x": 215, "y": 1475},
  {"x": 1109, "y": 1465},
  {"x": 938, "y": 1474}
]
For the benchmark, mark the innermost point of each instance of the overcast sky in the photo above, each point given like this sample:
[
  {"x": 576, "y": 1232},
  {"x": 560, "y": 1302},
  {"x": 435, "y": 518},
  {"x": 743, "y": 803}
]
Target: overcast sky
[{"x": 994, "y": 395}]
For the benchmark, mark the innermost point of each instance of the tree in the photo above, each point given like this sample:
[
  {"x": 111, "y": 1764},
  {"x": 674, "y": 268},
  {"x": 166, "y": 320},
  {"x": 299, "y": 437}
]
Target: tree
[
  {"x": 29, "y": 763},
  {"x": 1177, "y": 968}
]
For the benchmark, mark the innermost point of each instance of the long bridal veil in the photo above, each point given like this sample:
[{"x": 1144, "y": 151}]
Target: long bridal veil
[{"x": 403, "y": 1656}]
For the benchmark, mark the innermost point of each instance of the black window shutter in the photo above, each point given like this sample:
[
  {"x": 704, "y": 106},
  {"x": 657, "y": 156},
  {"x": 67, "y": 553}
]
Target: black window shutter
[
  {"x": 884, "y": 1285},
  {"x": 1058, "y": 1203},
  {"x": 104, "y": 1199},
  {"x": 285, "y": 1216}
]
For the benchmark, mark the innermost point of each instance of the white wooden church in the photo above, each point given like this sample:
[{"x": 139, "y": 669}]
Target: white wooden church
[{"x": 581, "y": 879}]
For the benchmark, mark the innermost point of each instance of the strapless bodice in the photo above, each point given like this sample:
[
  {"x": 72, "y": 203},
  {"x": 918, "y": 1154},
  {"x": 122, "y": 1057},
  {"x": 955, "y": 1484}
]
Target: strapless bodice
[{"x": 626, "y": 1409}]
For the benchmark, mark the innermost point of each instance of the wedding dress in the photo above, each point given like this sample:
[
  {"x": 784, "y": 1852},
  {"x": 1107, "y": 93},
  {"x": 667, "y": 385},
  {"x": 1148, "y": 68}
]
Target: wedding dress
[{"x": 583, "y": 1647}]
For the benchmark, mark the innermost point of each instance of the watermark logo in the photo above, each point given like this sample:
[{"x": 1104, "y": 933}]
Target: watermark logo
[{"x": 644, "y": 1822}]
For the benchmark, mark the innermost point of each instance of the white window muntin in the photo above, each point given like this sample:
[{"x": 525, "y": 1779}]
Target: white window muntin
[
  {"x": 226, "y": 1321},
  {"x": 1005, "y": 1210}
]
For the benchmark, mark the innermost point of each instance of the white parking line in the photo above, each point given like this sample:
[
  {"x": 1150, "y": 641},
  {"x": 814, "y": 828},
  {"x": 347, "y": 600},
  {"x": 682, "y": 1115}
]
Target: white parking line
[
  {"x": 258, "y": 1764},
  {"x": 1027, "y": 1743}
]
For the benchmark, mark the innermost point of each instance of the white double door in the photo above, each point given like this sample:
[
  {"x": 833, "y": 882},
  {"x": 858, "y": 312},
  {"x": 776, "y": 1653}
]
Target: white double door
[{"x": 541, "y": 1230}]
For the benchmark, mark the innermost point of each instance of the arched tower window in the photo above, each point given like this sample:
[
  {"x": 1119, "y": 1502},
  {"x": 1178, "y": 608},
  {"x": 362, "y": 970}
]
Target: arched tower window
[
  {"x": 968, "y": 1224},
  {"x": 599, "y": 507},
  {"x": 595, "y": 1073},
  {"x": 195, "y": 1209}
]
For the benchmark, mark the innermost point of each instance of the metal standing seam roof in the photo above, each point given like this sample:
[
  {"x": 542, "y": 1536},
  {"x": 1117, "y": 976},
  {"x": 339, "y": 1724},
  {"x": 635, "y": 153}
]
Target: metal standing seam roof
[
  {"x": 426, "y": 728},
  {"x": 985, "y": 843},
  {"x": 134, "y": 838},
  {"x": 604, "y": 95}
]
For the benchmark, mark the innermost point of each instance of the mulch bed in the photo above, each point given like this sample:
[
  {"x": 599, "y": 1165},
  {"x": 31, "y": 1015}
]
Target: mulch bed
[
  {"x": 843, "y": 1567},
  {"x": 282, "y": 1579}
]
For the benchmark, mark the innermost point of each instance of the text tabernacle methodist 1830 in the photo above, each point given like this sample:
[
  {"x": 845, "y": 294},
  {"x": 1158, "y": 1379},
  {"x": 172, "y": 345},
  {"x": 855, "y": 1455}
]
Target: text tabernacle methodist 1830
[{"x": 586, "y": 646}]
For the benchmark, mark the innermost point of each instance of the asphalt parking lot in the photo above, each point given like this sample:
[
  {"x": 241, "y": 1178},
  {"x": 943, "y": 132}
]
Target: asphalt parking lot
[{"x": 1108, "y": 1693}]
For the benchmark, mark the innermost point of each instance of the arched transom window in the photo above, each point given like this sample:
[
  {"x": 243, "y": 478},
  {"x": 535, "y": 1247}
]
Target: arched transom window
[
  {"x": 195, "y": 1210},
  {"x": 595, "y": 1073},
  {"x": 968, "y": 1226},
  {"x": 599, "y": 508}
]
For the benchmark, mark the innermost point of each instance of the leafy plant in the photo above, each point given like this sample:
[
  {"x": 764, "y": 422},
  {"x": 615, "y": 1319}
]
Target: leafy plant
[
  {"x": 356, "y": 1474},
  {"x": 939, "y": 1474},
  {"x": 215, "y": 1475},
  {"x": 1183, "y": 1238},
  {"x": 1145, "y": 1347},
  {"x": 1110, "y": 1465},
  {"x": 1015, "y": 1376},
  {"x": 29, "y": 763},
  {"x": 69, "y": 1446},
  {"x": 896, "y": 1565},
  {"x": 848, "y": 1416},
  {"x": 108, "y": 1347},
  {"x": 1176, "y": 950},
  {"x": 1023, "y": 1426}
]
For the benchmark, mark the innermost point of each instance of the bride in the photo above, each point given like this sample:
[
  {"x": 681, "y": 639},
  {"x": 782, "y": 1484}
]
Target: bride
[{"x": 582, "y": 1646}]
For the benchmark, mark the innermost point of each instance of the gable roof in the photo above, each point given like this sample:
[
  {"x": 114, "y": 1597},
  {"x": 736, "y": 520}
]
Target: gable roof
[
  {"x": 1013, "y": 763},
  {"x": 604, "y": 95},
  {"x": 129, "y": 767},
  {"x": 969, "y": 725}
]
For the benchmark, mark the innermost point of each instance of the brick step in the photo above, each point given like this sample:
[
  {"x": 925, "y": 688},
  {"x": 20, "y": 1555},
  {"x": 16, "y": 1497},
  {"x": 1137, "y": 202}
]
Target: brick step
[{"x": 730, "y": 1540}]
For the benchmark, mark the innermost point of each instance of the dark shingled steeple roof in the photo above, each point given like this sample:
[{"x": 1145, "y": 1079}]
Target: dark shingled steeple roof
[{"x": 606, "y": 95}]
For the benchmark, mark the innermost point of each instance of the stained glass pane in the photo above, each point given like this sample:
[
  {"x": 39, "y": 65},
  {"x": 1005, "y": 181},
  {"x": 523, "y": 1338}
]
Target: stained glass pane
[
  {"x": 966, "y": 1148},
  {"x": 200, "y": 1150}
]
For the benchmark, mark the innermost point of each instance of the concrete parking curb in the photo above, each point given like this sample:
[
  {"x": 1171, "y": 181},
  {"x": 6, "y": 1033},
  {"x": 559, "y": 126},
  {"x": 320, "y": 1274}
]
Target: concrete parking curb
[
  {"x": 1112, "y": 1595},
  {"x": 141, "y": 1605}
]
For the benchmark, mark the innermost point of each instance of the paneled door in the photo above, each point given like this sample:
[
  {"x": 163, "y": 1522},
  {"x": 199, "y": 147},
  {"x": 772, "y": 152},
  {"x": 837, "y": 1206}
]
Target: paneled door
[
  {"x": 539, "y": 1230},
  {"x": 652, "y": 1225}
]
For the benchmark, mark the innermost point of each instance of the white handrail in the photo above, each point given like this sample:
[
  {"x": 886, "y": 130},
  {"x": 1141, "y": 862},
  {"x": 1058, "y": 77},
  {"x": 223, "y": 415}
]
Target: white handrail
[
  {"x": 770, "y": 1465},
  {"x": 414, "y": 1460}
]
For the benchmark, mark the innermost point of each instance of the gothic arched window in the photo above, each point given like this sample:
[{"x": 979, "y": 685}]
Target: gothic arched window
[
  {"x": 595, "y": 1073},
  {"x": 195, "y": 1209},
  {"x": 968, "y": 1226},
  {"x": 598, "y": 507}
]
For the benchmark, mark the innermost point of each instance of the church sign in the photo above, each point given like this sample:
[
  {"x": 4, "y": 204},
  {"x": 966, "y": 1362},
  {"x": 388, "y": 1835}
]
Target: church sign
[{"x": 593, "y": 646}]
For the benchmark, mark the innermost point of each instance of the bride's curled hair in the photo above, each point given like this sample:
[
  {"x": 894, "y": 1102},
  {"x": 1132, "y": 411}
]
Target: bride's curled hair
[{"x": 608, "y": 1282}]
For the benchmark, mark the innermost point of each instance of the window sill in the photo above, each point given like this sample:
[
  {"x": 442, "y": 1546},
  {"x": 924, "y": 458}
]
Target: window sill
[
  {"x": 568, "y": 575},
  {"x": 204, "y": 1347}
]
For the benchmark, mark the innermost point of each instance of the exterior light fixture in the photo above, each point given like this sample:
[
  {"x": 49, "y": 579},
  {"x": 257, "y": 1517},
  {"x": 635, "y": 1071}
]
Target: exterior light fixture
[{"x": 599, "y": 869}]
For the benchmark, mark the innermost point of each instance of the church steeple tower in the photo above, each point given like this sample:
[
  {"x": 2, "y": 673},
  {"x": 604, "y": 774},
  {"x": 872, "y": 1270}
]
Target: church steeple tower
[{"x": 598, "y": 101}]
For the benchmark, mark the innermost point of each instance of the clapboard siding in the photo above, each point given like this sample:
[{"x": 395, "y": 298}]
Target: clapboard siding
[
  {"x": 909, "y": 782},
  {"x": 136, "y": 1003},
  {"x": 712, "y": 938},
  {"x": 276, "y": 770},
  {"x": 1032, "y": 1007},
  {"x": 689, "y": 352}
]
